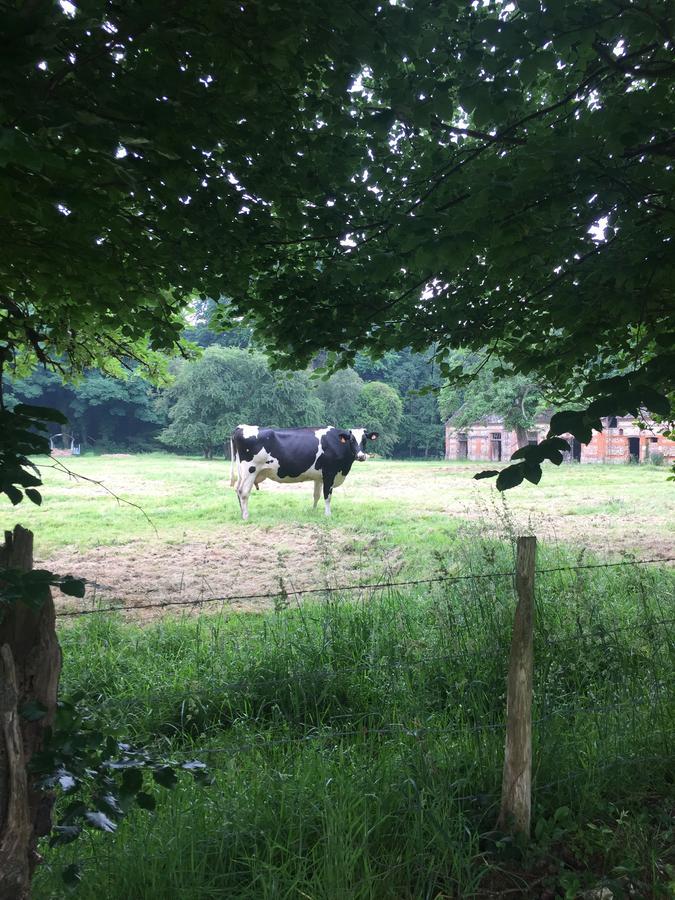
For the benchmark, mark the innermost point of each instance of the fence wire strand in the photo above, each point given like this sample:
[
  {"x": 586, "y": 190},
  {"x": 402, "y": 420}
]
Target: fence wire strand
[
  {"x": 346, "y": 588},
  {"x": 399, "y": 729},
  {"x": 358, "y": 727}
]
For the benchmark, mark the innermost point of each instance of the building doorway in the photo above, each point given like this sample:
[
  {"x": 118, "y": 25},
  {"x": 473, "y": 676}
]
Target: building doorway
[
  {"x": 634, "y": 449},
  {"x": 462, "y": 445},
  {"x": 576, "y": 450},
  {"x": 496, "y": 446}
]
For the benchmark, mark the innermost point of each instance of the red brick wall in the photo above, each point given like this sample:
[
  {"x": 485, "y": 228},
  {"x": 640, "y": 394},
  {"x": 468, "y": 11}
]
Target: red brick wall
[{"x": 608, "y": 446}]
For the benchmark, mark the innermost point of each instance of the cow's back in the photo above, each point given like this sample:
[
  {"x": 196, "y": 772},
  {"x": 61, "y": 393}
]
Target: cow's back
[{"x": 283, "y": 452}]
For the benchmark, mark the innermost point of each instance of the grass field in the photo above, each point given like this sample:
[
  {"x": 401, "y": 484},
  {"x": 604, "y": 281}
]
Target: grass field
[
  {"x": 356, "y": 738},
  {"x": 390, "y": 519},
  {"x": 357, "y": 746}
]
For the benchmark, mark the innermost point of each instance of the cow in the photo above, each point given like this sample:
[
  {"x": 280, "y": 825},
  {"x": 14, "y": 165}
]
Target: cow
[{"x": 289, "y": 455}]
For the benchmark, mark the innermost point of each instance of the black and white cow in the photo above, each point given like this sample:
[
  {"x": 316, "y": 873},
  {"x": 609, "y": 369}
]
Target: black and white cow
[{"x": 289, "y": 455}]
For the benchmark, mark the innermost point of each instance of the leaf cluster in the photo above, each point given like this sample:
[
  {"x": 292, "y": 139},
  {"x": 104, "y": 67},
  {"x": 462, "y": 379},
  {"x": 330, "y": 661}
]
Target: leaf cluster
[
  {"x": 23, "y": 434},
  {"x": 99, "y": 777},
  {"x": 33, "y": 588}
]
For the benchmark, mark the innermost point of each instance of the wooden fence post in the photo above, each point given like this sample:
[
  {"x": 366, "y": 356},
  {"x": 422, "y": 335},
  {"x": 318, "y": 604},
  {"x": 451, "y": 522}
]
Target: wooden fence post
[
  {"x": 30, "y": 665},
  {"x": 516, "y": 805}
]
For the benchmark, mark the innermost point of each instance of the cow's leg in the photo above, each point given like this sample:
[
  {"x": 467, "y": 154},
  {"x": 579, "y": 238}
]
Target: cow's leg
[
  {"x": 245, "y": 484},
  {"x": 328, "y": 478},
  {"x": 234, "y": 463},
  {"x": 317, "y": 492}
]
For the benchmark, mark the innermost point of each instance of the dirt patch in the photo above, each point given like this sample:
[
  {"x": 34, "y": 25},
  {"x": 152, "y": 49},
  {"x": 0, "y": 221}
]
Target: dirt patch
[{"x": 241, "y": 572}]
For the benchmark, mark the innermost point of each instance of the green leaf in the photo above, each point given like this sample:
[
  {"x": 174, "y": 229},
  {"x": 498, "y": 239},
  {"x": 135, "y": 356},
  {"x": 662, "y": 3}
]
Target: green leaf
[
  {"x": 101, "y": 821},
  {"x": 146, "y": 801},
  {"x": 487, "y": 473},
  {"x": 654, "y": 401},
  {"x": 532, "y": 453},
  {"x": 193, "y": 765},
  {"x": 555, "y": 456},
  {"x": 556, "y": 443},
  {"x": 64, "y": 834},
  {"x": 72, "y": 875},
  {"x": 132, "y": 781},
  {"x": 532, "y": 472},
  {"x": 33, "y": 711},
  {"x": 166, "y": 776},
  {"x": 563, "y": 422},
  {"x": 34, "y": 496},
  {"x": 577, "y": 423},
  {"x": 40, "y": 412},
  {"x": 73, "y": 587},
  {"x": 73, "y": 811},
  {"x": 13, "y": 493},
  {"x": 510, "y": 477},
  {"x": 67, "y": 782}
]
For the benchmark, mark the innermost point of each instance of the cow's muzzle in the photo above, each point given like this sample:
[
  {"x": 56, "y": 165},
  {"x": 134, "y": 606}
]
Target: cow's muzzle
[{"x": 361, "y": 456}]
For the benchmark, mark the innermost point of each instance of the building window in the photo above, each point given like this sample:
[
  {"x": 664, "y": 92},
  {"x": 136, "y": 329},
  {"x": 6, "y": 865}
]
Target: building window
[
  {"x": 653, "y": 440},
  {"x": 612, "y": 422}
]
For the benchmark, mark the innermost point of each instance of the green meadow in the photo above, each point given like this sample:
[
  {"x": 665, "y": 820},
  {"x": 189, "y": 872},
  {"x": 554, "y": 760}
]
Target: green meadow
[
  {"x": 356, "y": 744},
  {"x": 355, "y": 740},
  {"x": 388, "y": 518}
]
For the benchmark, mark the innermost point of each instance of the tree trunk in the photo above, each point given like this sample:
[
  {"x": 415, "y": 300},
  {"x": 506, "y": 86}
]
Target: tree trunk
[
  {"x": 521, "y": 436},
  {"x": 30, "y": 665}
]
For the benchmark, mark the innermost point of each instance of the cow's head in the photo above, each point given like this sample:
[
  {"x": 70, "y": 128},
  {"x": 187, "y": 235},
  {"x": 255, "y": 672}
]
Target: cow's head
[{"x": 358, "y": 439}]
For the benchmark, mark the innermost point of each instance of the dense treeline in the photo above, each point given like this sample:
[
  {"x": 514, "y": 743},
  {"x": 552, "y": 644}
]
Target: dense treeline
[
  {"x": 231, "y": 382},
  {"x": 400, "y": 395}
]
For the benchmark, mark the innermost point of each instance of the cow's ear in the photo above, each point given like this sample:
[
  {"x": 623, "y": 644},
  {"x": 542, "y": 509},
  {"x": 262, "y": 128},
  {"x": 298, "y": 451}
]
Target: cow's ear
[
  {"x": 374, "y": 435},
  {"x": 344, "y": 439}
]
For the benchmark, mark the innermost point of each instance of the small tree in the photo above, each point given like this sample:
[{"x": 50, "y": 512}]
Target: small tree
[
  {"x": 380, "y": 409},
  {"x": 228, "y": 386},
  {"x": 340, "y": 396},
  {"x": 516, "y": 398}
]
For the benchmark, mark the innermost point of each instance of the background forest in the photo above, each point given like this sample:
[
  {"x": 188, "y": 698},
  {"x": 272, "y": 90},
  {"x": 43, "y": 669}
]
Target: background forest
[
  {"x": 228, "y": 380},
  {"x": 204, "y": 398}
]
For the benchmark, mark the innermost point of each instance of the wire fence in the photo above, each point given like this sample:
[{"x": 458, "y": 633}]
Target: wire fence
[
  {"x": 344, "y": 588},
  {"x": 614, "y": 710},
  {"x": 398, "y": 729}
]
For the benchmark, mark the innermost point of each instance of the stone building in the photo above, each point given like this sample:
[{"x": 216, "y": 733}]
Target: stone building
[{"x": 620, "y": 441}]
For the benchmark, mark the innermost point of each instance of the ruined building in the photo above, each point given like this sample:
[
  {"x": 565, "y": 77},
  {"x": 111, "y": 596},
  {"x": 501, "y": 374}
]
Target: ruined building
[{"x": 620, "y": 441}]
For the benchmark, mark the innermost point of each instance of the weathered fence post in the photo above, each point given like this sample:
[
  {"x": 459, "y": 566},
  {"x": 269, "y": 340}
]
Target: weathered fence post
[
  {"x": 516, "y": 805},
  {"x": 30, "y": 665}
]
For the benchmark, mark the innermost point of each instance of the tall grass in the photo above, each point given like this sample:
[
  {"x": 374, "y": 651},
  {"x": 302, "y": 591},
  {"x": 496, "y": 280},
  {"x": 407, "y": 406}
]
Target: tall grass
[{"x": 357, "y": 743}]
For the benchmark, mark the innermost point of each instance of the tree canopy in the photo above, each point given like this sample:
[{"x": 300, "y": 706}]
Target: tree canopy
[
  {"x": 511, "y": 187},
  {"x": 349, "y": 176}
]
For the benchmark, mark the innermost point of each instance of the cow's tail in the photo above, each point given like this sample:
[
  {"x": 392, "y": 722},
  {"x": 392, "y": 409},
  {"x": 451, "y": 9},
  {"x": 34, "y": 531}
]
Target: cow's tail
[{"x": 233, "y": 471}]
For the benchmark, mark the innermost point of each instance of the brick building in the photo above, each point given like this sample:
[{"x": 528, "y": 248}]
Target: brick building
[{"x": 620, "y": 441}]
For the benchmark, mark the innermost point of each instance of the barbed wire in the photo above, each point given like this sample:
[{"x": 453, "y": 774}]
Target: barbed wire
[
  {"x": 391, "y": 667},
  {"x": 345, "y": 588},
  {"x": 601, "y": 632},
  {"x": 282, "y": 592},
  {"x": 592, "y": 770},
  {"x": 400, "y": 729}
]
